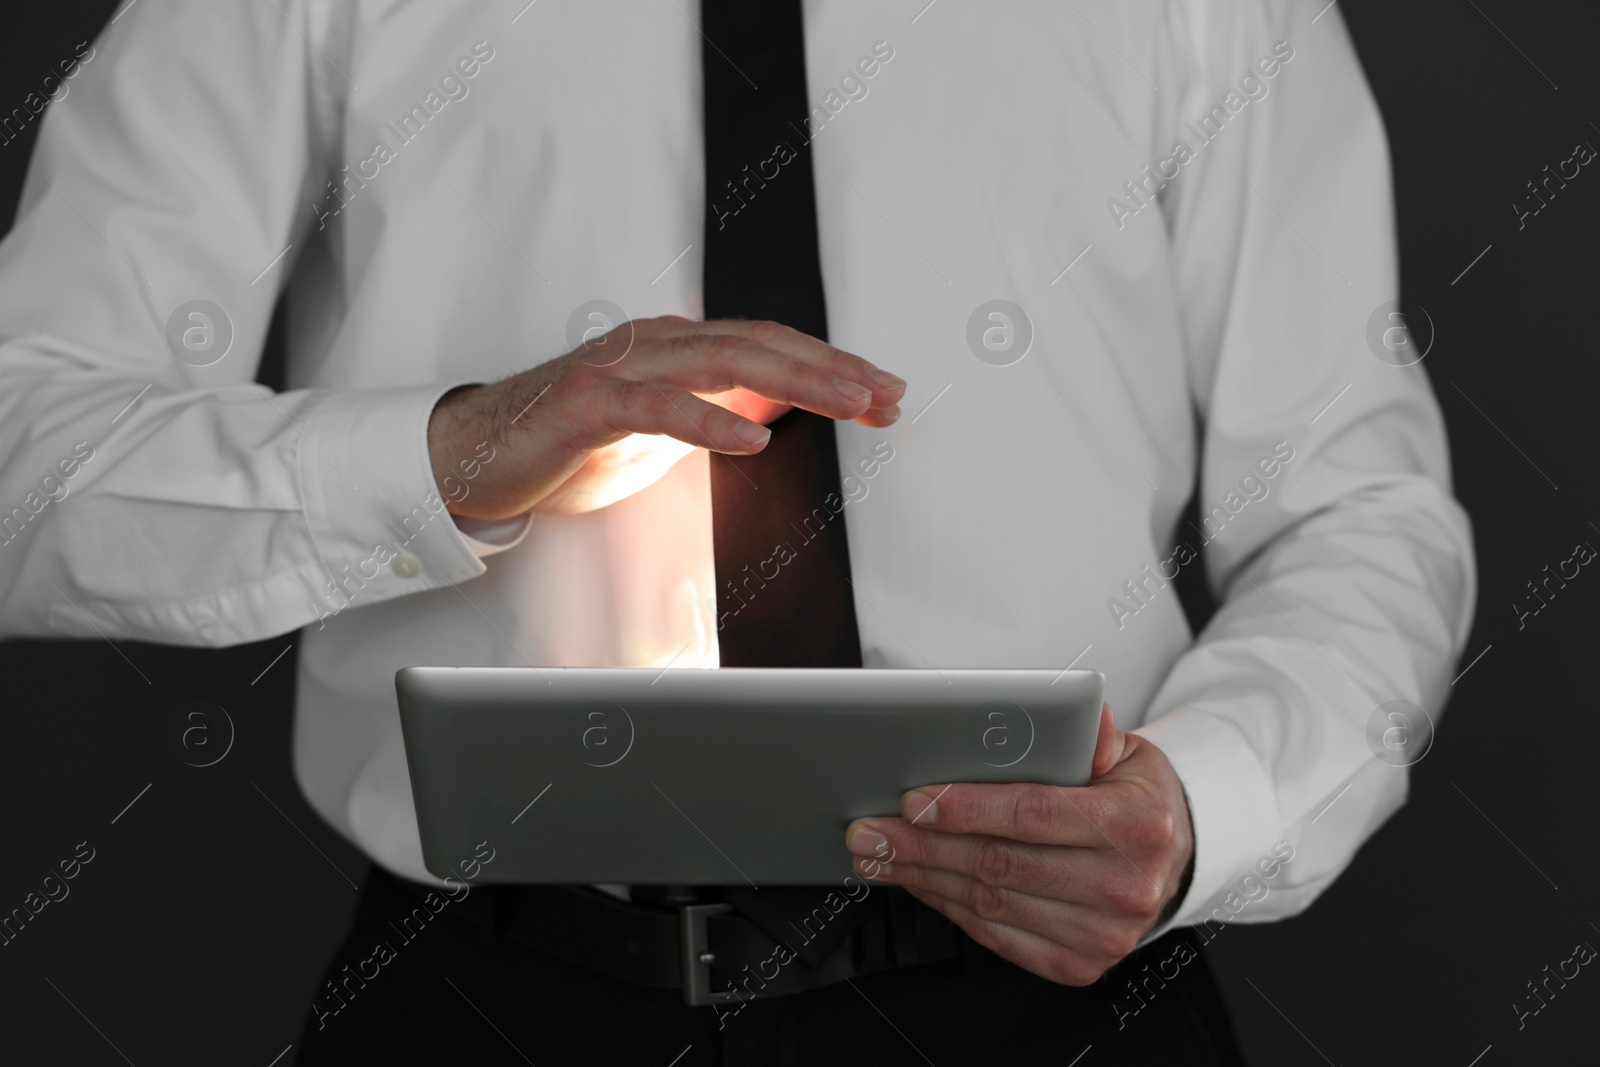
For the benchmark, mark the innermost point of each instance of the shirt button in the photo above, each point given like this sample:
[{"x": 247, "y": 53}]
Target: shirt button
[{"x": 406, "y": 566}]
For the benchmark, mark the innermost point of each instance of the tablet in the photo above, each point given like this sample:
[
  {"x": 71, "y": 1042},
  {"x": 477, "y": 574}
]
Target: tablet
[{"x": 712, "y": 777}]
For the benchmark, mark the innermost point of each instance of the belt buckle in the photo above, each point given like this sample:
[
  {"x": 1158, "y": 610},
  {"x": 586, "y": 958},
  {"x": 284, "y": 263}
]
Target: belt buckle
[{"x": 697, "y": 955}]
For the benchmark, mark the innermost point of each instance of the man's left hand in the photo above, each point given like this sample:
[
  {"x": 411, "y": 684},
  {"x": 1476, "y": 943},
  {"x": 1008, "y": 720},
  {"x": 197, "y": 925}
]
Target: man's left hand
[{"x": 1062, "y": 882}]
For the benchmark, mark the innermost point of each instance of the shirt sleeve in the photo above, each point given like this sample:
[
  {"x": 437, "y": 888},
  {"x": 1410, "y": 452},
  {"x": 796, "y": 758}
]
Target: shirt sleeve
[
  {"x": 1345, "y": 576},
  {"x": 142, "y": 494}
]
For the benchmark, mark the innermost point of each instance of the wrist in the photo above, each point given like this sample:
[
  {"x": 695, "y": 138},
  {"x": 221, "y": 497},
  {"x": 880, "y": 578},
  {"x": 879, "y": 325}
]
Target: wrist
[
  {"x": 1187, "y": 878},
  {"x": 449, "y": 424}
]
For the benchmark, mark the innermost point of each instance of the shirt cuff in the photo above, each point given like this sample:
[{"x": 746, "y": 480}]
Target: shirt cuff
[
  {"x": 487, "y": 536},
  {"x": 1232, "y": 803},
  {"x": 376, "y": 517}
]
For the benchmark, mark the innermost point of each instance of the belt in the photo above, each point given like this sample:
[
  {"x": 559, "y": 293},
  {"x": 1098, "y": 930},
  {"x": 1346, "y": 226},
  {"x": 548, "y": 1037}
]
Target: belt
[{"x": 721, "y": 945}]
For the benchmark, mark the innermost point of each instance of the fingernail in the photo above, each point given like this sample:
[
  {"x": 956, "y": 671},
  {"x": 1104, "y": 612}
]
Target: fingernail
[
  {"x": 865, "y": 842},
  {"x": 851, "y": 389},
  {"x": 752, "y": 434},
  {"x": 891, "y": 412},
  {"x": 884, "y": 379},
  {"x": 919, "y": 807},
  {"x": 874, "y": 869}
]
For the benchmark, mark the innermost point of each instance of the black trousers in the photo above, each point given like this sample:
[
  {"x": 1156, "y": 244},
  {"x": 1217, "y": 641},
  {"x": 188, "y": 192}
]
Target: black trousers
[{"x": 456, "y": 993}]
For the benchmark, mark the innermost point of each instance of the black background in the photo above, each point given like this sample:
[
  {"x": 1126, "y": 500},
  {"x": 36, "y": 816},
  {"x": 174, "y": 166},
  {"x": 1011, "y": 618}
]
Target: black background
[{"x": 199, "y": 931}]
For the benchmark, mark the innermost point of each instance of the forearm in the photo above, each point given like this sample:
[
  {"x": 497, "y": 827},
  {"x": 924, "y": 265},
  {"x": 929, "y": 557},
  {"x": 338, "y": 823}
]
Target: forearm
[
  {"x": 1267, "y": 719},
  {"x": 212, "y": 518}
]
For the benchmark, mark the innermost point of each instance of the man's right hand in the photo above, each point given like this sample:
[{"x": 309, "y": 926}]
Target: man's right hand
[{"x": 592, "y": 427}]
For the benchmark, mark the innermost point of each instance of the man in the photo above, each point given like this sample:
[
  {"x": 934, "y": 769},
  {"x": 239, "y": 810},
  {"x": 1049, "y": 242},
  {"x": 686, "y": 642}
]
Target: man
[{"x": 1110, "y": 252}]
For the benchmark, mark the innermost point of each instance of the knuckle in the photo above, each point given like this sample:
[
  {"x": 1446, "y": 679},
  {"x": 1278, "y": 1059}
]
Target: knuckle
[
  {"x": 1120, "y": 894},
  {"x": 997, "y": 862},
  {"x": 674, "y": 346},
  {"x": 1133, "y": 895},
  {"x": 765, "y": 332},
  {"x": 631, "y": 393},
  {"x": 686, "y": 347},
  {"x": 590, "y": 405},
  {"x": 1033, "y": 814},
  {"x": 726, "y": 350},
  {"x": 986, "y": 901},
  {"x": 1149, "y": 900},
  {"x": 595, "y": 412},
  {"x": 635, "y": 399},
  {"x": 1154, "y": 830},
  {"x": 1102, "y": 812}
]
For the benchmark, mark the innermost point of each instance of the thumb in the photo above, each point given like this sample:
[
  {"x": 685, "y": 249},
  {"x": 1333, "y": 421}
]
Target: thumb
[{"x": 1109, "y": 746}]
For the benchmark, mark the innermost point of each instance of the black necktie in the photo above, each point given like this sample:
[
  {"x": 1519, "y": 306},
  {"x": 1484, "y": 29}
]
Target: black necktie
[{"x": 783, "y": 565}]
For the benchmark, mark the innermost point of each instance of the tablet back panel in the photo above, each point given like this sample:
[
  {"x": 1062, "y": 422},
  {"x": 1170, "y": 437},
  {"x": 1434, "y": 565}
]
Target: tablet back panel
[{"x": 712, "y": 777}]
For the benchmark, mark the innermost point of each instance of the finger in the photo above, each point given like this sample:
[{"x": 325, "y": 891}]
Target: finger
[
  {"x": 1109, "y": 746},
  {"x": 753, "y": 407},
  {"x": 1062, "y": 922},
  {"x": 878, "y": 418},
  {"x": 1077, "y": 875},
  {"x": 621, "y": 406},
  {"x": 1021, "y": 811},
  {"x": 766, "y": 412},
  {"x": 714, "y": 363},
  {"x": 1022, "y": 947},
  {"x": 887, "y": 389}
]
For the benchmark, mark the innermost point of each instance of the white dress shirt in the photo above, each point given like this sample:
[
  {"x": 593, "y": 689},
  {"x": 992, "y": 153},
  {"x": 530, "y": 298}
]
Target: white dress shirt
[{"x": 1192, "y": 332}]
